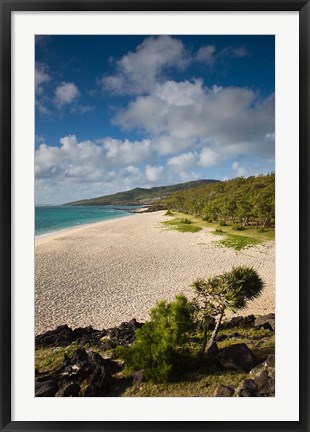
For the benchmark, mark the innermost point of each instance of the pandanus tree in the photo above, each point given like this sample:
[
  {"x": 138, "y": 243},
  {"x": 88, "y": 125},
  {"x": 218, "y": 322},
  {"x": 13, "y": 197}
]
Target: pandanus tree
[{"x": 216, "y": 295}]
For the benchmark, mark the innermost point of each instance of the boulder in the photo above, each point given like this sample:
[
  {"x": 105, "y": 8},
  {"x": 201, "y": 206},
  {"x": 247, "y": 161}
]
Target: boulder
[
  {"x": 264, "y": 377},
  {"x": 125, "y": 332},
  {"x": 79, "y": 357},
  {"x": 240, "y": 321},
  {"x": 261, "y": 379},
  {"x": 223, "y": 391},
  {"x": 99, "y": 382},
  {"x": 46, "y": 388},
  {"x": 250, "y": 387},
  {"x": 64, "y": 335},
  {"x": 266, "y": 322},
  {"x": 244, "y": 393},
  {"x": 270, "y": 362},
  {"x": 138, "y": 377},
  {"x": 61, "y": 336},
  {"x": 70, "y": 390},
  {"x": 237, "y": 356},
  {"x": 224, "y": 336}
]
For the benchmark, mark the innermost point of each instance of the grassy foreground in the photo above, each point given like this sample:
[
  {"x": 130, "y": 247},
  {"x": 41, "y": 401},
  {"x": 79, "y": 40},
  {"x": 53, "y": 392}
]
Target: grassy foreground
[
  {"x": 198, "y": 382},
  {"x": 237, "y": 238}
]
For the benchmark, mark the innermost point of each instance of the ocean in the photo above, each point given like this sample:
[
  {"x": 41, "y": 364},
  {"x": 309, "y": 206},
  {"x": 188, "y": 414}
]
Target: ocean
[{"x": 50, "y": 219}]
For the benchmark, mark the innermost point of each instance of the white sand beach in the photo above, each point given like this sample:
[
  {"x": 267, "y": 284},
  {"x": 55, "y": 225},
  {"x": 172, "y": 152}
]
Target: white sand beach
[{"x": 109, "y": 272}]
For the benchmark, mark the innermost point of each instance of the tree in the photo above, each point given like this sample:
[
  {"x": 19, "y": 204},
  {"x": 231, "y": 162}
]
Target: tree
[
  {"x": 159, "y": 343},
  {"x": 218, "y": 294}
]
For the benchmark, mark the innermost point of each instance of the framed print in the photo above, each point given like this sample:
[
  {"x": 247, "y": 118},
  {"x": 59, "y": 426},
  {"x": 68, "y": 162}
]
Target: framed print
[{"x": 154, "y": 204}]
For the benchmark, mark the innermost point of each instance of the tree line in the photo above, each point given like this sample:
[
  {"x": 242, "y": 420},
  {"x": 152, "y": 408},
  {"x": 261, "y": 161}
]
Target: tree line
[{"x": 240, "y": 201}]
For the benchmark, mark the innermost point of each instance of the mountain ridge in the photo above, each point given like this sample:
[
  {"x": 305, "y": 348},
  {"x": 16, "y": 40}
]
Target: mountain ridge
[{"x": 140, "y": 196}]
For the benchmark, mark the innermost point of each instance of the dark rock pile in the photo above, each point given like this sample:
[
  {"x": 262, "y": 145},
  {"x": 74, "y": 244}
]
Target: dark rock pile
[
  {"x": 238, "y": 357},
  {"x": 88, "y": 369},
  {"x": 63, "y": 335},
  {"x": 84, "y": 373},
  {"x": 260, "y": 383},
  {"x": 87, "y": 373}
]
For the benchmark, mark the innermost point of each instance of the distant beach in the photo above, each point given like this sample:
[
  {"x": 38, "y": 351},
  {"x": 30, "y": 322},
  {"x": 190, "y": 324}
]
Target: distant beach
[{"x": 111, "y": 271}]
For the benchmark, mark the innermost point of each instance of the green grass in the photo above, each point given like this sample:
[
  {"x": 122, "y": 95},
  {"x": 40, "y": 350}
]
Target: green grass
[
  {"x": 267, "y": 235},
  {"x": 238, "y": 242},
  {"x": 202, "y": 381},
  {"x": 47, "y": 359},
  {"x": 246, "y": 238},
  {"x": 193, "y": 385},
  {"x": 182, "y": 225}
]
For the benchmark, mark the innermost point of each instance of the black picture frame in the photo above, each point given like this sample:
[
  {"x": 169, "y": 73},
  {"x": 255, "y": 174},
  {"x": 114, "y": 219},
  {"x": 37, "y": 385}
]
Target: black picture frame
[{"x": 7, "y": 7}]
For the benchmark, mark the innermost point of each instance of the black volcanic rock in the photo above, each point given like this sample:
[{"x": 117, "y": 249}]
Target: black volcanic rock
[
  {"x": 237, "y": 356},
  {"x": 46, "y": 388}
]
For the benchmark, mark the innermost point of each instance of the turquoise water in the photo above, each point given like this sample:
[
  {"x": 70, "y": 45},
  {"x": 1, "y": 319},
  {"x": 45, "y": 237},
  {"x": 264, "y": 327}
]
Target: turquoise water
[{"x": 56, "y": 218}]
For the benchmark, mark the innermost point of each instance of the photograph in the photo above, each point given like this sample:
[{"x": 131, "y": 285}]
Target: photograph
[{"x": 154, "y": 189}]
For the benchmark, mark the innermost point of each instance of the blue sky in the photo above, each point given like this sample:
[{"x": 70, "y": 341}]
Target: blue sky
[{"x": 118, "y": 112}]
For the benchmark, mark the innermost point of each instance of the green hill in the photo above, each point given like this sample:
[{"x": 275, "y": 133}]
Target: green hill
[{"x": 140, "y": 196}]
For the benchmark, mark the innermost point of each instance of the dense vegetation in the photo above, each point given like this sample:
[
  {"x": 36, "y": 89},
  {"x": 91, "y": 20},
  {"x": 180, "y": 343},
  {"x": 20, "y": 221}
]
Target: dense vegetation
[
  {"x": 240, "y": 202},
  {"x": 162, "y": 348},
  {"x": 140, "y": 196},
  {"x": 158, "y": 345}
]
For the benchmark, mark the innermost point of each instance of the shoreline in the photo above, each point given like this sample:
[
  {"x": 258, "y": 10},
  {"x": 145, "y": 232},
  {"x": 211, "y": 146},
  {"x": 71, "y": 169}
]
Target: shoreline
[
  {"x": 112, "y": 271},
  {"x": 71, "y": 230}
]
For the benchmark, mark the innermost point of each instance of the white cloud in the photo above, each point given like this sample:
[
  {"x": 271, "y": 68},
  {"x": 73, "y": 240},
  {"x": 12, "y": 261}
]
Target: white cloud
[
  {"x": 208, "y": 158},
  {"x": 180, "y": 93},
  {"x": 126, "y": 152},
  {"x": 205, "y": 54},
  {"x": 41, "y": 77},
  {"x": 235, "y": 52},
  {"x": 241, "y": 171},
  {"x": 106, "y": 165},
  {"x": 182, "y": 115},
  {"x": 182, "y": 162},
  {"x": 154, "y": 173},
  {"x": 139, "y": 72},
  {"x": 66, "y": 93},
  {"x": 88, "y": 158}
]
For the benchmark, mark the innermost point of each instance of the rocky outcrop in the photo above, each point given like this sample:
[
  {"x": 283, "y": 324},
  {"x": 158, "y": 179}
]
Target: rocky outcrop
[
  {"x": 239, "y": 321},
  {"x": 223, "y": 391},
  {"x": 46, "y": 388},
  {"x": 238, "y": 357},
  {"x": 87, "y": 373},
  {"x": 260, "y": 382},
  {"x": 68, "y": 380},
  {"x": 266, "y": 322},
  {"x": 63, "y": 336}
]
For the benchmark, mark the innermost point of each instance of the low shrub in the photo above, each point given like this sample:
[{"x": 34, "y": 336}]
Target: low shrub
[
  {"x": 168, "y": 213},
  {"x": 158, "y": 345},
  {"x": 238, "y": 228},
  {"x": 185, "y": 221},
  {"x": 218, "y": 231},
  {"x": 207, "y": 219}
]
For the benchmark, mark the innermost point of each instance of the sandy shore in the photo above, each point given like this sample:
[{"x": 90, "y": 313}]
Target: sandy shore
[{"x": 109, "y": 272}]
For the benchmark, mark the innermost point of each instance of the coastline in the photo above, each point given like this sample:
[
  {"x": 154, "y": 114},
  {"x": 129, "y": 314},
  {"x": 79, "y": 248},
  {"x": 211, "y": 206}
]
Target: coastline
[
  {"x": 107, "y": 272},
  {"x": 49, "y": 236}
]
